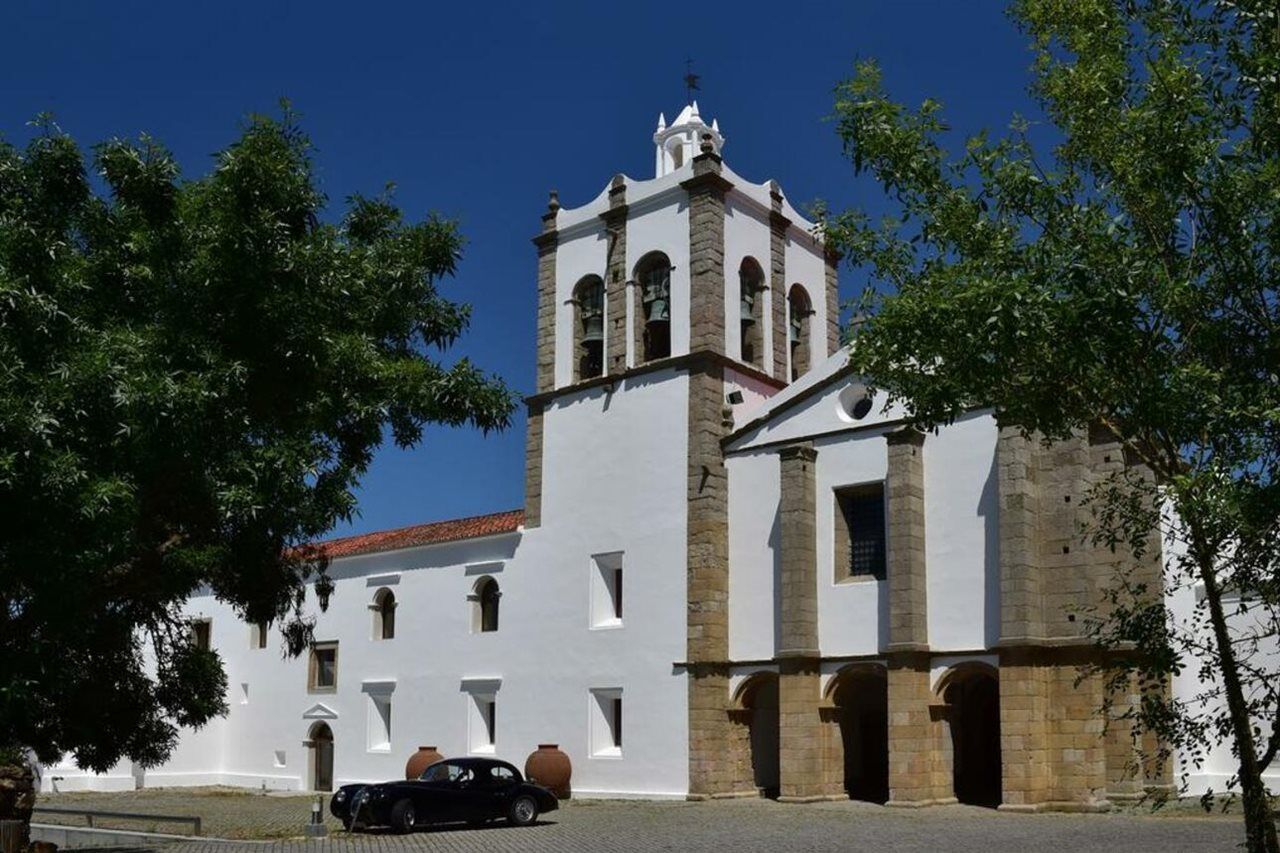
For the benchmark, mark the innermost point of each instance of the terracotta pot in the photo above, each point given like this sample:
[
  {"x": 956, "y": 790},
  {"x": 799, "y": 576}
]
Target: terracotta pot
[
  {"x": 421, "y": 760},
  {"x": 549, "y": 767}
]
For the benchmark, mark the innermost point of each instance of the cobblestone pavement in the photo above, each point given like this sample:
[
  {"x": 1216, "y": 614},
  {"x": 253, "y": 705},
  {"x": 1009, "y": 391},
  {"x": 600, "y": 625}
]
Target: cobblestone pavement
[{"x": 743, "y": 826}]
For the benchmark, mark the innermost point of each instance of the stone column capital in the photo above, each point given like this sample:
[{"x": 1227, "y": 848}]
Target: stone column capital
[
  {"x": 905, "y": 435},
  {"x": 805, "y": 452}
]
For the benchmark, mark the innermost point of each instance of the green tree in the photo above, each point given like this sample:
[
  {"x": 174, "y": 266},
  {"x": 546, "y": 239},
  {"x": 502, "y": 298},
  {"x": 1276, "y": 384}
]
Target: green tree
[
  {"x": 1123, "y": 276},
  {"x": 194, "y": 375}
]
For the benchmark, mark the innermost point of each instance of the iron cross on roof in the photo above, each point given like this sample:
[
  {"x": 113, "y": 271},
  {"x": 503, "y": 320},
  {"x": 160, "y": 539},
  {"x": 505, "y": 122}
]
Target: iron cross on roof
[{"x": 690, "y": 80}]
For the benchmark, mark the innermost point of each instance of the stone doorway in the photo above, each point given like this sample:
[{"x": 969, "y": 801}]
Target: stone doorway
[
  {"x": 320, "y": 742},
  {"x": 862, "y": 710},
  {"x": 759, "y": 697},
  {"x": 974, "y": 701}
]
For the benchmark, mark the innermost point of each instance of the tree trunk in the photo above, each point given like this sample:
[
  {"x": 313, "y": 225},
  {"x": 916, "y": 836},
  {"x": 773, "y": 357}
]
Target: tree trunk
[
  {"x": 1259, "y": 825},
  {"x": 17, "y": 798}
]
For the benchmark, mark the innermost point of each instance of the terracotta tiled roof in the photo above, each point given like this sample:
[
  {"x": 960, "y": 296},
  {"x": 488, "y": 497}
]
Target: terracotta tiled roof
[{"x": 434, "y": 533}]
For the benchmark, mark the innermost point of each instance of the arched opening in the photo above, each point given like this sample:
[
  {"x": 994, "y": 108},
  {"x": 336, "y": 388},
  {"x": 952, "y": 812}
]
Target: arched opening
[
  {"x": 973, "y": 696},
  {"x": 759, "y": 696},
  {"x": 653, "y": 275},
  {"x": 751, "y": 290},
  {"x": 799, "y": 310},
  {"x": 588, "y": 328},
  {"x": 320, "y": 743},
  {"x": 861, "y": 698},
  {"x": 384, "y": 614},
  {"x": 484, "y": 596},
  {"x": 676, "y": 149}
]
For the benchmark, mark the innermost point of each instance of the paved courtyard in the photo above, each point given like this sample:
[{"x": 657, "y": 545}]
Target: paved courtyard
[{"x": 743, "y": 826}]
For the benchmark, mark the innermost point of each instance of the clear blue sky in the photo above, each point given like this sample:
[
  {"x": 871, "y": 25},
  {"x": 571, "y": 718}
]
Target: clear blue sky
[{"x": 476, "y": 109}]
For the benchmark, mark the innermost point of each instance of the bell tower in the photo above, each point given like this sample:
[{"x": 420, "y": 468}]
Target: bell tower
[{"x": 668, "y": 309}]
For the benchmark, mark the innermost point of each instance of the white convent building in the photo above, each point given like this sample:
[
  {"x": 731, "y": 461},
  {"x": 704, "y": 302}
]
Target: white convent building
[{"x": 734, "y": 573}]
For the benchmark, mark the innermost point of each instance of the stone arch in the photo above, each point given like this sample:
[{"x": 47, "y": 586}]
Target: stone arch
[
  {"x": 588, "y": 328},
  {"x": 799, "y": 333},
  {"x": 652, "y": 307},
  {"x": 384, "y": 614},
  {"x": 756, "y": 699},
  {"x": 970, "y": 691},
  {"x": 858, "y": 701},
  {"x": 751, "y": 291},
  {"x": 319, "y": 745},
  {"x": 484, "y": 597}
]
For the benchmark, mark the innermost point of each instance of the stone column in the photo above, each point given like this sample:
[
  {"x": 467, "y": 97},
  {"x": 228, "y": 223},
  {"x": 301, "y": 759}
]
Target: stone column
[
  {"x": 706, "y": 191},
  {"x": 615, "y": 220},
  {"x": 904, "y": 499},
  {"x": 778, "y": 225},
  {"x": 833, "y": 299},
  {"x": 1021, "y": 601},
  {"x": 546, "y": 361},
  {"x": 919, "y": 743}
]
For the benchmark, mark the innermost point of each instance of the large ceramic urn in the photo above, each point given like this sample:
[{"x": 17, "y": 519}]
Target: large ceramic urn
[
  {"x": 421, "y": 760},
  {"x": 549, "y": 767}
]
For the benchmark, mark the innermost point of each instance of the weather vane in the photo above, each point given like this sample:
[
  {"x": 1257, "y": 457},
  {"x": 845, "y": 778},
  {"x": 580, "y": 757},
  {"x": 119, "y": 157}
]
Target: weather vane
[{"x": 690, "y": 80}]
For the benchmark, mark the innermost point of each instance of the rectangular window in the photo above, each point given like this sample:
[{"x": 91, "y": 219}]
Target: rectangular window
[
  {"x": 202, "y": 634},
  {"x": 323, "y": 672},
  {"x": 483, "y": 724},
  {"x": 605, "y": 726},
  {"x": 860, "y": 532},
  {"x": 244, "y": 693},
  {"x": 258, "y": 635},
  {"x": 606, "y": 590}
]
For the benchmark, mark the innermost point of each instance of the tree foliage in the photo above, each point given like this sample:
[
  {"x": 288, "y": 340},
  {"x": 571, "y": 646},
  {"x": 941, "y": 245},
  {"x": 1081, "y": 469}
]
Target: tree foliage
[
  {"x": 193, "y": 377},
  {"x": 1124, "y": 276}
]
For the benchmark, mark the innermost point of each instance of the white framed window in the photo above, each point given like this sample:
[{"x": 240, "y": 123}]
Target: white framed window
[
  {"x": 258, "y": 635},
  {"x": 383, "y": 609},
  {"x": 280, "y": 758},
  {"x": 606, "y": 590},
  {"x": 484, "y": 597},
  {"x": 482, "y": 724},
  {"x": 202, "y": 633},
  {"x": 379, "y": 728},
  {"x": 605, "y": 723},
  {"x": 244, "y": 693}
]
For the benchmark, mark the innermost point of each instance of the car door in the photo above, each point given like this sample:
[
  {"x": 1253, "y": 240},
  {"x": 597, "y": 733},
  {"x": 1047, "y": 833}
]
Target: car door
[
  {"x": 443, "y": 796},
  {"x": 468, "y": 793},
  {"x": 496, "y": 784}
]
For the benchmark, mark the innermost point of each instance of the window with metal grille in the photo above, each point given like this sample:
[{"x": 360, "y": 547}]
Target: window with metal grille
[{"x": 860, "y": 533}]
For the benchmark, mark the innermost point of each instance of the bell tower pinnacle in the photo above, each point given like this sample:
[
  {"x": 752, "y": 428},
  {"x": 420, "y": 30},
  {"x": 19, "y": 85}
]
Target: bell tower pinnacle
[{"x": 676, "y": 145}]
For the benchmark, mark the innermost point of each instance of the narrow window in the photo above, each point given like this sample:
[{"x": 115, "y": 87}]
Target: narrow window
[
  {"x": 201, "y": 634},
  {"x": 491, "y": 721},
  {"x": 384, "y": 614},
  {"x": 588, "y": 328},
  {"x": 258, "y": 635},
  {"x": 323, "y": 672},
  {"x": 653, "y": 274},
  {"x": 489, "y": 596},
  {"x": 605, "y": 730},
  {"x": 860, "y": 533},
  {"x": 751, "y": 311},
  {"x": 606, "y": 590},
  {"x": 379, "y": 727},
  {"x": 800, "y": 310}
]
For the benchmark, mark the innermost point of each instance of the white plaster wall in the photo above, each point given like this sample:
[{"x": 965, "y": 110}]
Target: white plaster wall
[
  {"x": 962, "y": 545},
  {"x": 754, "y": 483},
  {"x": 746, "y": 234}
]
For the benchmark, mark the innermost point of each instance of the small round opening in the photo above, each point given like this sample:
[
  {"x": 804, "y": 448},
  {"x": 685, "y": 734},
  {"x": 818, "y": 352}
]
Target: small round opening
[
  {"x": 861, "y": 408},
  {"x": 854, "y": 403}
]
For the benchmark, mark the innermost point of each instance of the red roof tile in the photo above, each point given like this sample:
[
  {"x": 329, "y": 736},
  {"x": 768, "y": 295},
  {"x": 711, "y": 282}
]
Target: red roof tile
[{"x": 434, "y": 533}]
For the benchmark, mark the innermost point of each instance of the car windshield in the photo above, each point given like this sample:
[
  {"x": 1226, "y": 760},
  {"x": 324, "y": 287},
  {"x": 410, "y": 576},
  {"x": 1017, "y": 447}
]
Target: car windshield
[{"x": 445, "y": 772}]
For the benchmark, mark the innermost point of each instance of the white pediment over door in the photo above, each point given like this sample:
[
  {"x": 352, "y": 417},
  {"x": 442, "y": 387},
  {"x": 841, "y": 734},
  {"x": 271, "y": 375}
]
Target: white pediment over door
[{"x": 319, "y": 711}]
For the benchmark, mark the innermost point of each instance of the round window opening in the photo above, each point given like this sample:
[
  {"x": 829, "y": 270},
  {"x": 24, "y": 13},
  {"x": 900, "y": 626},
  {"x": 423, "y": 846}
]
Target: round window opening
[{"x": 855, "y": 403}]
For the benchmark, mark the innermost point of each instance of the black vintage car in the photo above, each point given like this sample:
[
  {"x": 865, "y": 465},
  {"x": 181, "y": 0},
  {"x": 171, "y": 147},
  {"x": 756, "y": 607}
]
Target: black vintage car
[{"x": 474, "y": 790}]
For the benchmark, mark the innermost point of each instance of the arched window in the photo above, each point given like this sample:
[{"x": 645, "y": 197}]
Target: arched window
[
  {"x": 588, "y": 328},
  {"x": 384, "y": 614},
  {"x": 484, "y": 609},
  {"x": 653, "y": 275},
  {"x": 799, "y": 309},
  {"x": 751, "y": 312}
]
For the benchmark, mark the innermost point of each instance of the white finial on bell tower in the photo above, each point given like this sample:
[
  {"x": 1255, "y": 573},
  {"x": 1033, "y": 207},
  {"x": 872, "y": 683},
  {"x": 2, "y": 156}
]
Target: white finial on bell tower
[{"x": 678, "y": 143}]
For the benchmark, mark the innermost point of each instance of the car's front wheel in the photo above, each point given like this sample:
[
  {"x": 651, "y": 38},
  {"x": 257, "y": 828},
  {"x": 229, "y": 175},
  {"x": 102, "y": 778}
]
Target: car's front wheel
[
  {"x": 402, "y": 816},
  {"x": 524, "y": 810}
]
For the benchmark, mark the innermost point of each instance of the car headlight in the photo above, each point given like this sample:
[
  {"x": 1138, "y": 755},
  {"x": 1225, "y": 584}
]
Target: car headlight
[{"x": 340, "y": 796}]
